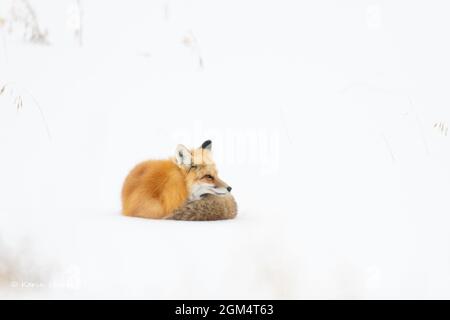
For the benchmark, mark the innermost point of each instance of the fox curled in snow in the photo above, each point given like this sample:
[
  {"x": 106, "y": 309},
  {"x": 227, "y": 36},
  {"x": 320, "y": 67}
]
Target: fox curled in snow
[{"x": 185, "y": 187}]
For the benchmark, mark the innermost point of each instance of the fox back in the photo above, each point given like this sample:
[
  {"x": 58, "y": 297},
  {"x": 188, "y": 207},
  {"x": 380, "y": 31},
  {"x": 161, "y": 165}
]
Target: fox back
[{"x": 153, "y": 189}]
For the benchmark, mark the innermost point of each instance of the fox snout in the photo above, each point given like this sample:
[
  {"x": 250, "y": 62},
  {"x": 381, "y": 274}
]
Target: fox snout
[
  {"x": 220, "y": 185},
  {"x": 201, "y": 189}
]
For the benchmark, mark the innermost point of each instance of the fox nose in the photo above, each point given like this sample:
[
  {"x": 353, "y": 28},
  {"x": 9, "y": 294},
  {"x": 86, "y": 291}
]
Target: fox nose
[{"x": 229, "y": 189}]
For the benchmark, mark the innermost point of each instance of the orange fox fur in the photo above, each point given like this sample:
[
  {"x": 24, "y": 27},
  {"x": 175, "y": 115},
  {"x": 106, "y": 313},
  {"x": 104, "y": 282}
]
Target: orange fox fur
[{"x": 157, "y": 188}]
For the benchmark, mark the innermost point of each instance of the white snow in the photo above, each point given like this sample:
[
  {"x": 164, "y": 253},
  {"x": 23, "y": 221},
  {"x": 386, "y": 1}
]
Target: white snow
[{"x": 329, "y": 120}]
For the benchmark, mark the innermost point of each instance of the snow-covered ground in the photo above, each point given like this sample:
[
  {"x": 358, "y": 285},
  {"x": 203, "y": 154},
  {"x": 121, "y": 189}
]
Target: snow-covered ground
[{"x": 328, "y": 118}]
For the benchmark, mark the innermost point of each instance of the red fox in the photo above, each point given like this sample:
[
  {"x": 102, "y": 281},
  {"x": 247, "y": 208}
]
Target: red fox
[{"x": 185, "y": 187}]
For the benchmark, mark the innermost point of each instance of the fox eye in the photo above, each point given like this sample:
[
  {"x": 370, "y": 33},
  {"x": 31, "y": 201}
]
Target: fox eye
[{"x": 208, "y": 176}]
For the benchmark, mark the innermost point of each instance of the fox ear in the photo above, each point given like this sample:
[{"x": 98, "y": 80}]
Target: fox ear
[
  {"x": 207, "y": 145},
  {"x": 183, "y": 156}
]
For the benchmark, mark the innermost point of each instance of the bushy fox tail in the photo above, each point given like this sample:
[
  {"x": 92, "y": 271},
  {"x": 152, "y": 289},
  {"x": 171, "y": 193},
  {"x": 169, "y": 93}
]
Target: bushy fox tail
[{"x": 210, "y": 207}]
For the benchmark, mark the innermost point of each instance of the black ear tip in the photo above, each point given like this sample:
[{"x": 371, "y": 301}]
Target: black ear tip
[{"x": 206, "y": 144}]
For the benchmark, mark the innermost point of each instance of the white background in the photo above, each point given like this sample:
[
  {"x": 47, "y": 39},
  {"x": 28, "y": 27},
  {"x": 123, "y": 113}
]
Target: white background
[{"x": 328, "y": 118}]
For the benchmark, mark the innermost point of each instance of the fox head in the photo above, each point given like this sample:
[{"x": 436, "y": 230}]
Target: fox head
[{"x": 200, "y": 170}]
